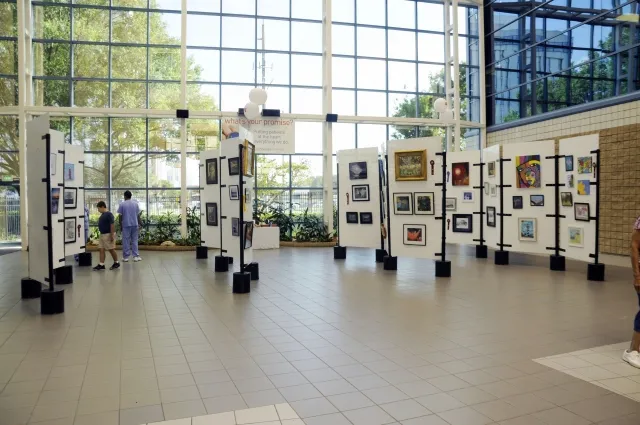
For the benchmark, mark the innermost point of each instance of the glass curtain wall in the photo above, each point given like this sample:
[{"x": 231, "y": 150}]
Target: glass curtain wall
[{"x": 545, "y": 57}]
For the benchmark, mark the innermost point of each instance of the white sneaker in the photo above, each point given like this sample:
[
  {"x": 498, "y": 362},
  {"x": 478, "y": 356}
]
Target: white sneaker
[
  {"x": 126, "y": 260},
  {"x": 632, "y": 357},
  {"x": 136, "y": 259}
]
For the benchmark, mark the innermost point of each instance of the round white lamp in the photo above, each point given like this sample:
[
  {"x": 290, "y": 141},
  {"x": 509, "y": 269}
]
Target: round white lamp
[
  {"x": 440, "y": 105},
  {"x": 258, "y": 96},
  {"x": 447, "y": 115},
  {"x": 251, "y": 111}
]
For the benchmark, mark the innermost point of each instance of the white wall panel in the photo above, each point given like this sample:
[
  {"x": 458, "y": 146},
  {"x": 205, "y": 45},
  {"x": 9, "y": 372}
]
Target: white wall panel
[{"x": 209, "y": 235}]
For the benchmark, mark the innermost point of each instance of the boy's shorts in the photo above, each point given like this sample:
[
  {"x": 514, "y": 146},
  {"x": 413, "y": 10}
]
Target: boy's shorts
[{"x": 105, "y": 242}]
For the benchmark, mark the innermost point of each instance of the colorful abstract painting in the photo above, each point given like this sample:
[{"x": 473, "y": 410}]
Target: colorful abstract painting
[
  {"x": 584, "y": 187},
  {"x": 585, "y": 165},
  {"x": 461, "y": 174},
  {"x": 528, "y": 171}
]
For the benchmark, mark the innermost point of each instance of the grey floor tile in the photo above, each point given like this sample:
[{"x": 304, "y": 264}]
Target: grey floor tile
[
  {"x": 104, "y": 418},
  {"x": 498, "y": 410},
  {"x": 174, "y": 395},
  {"x": 385, "y": 394},
  {"x": 464, "y": 416},
  {"x": 367, "y": 382},
  {"x": 253, "y": 384},
  {"x": 263, "y": 398},
  {"x": 369, "y": 416},
  {"x": 405, "y": 409},
  {"x": 141, "y": 415},
  {"x": 331, "y": 419},
  {"x": 300, "y": 392},
  {"x": 339, "y": 386},
  {"x": 440, "y": 402},
  {"x": 560, "y": 416},
  {"x": 417, "y": 388},
  {"x": 183, "y": 409},
  {"x": 224, "y": 403},
  {"x": 426, "y": 420},
  {"x": 350, "y": 401},
  {"x": 313, "y": 407}
]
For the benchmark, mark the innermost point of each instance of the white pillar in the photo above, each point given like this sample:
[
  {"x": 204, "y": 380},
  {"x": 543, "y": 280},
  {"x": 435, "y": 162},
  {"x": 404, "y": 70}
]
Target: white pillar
[
  {"x": 327, "y": 130},
  {"x": 24, "y": 20},
  {"x": 183, "y": 122},
  {"x": 456, "y": 75},
  {"x": 483, "y": 86}
]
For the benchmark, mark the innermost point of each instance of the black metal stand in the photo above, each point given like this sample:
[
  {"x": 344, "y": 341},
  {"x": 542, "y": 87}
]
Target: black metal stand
[
  {"x": 443, "y": 267},
  {"x": 242, "y": 278},
  {"x": 339, "y": 252},
  {"x": 30, "y": 288},
  {"x": 202, "y": 252},
  {"x": 85, "y": 259},
  {"x": 380, "y": 253},
  {"x": 481, "y": 250},
  {"x": 502, "y": 256},
  {"x": 221, "y": 262},
  {"x": 596, "y": 271},
  {"x": 63, "y": 275},
  {"x": 390, "y": 262},
  {"x": 557, "y": 262}
]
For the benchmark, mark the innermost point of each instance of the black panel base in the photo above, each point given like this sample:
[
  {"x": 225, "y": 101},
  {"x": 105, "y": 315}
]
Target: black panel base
[
  {"x": 52, "y": 302},
  {"x": 254, "y": 270},
  {"x": 30, "y": 288},
  {"x": 443, "y": 268},
  {"x": 380, "y": 254},
  {"x": 390, "y": 263},
  {"x": 63, "y": 275},
  {"x": 230, "y": 260},
  {"x": 339, "y": 252},
  {"x": 502, "y": 258},
  {"x": 85, "y": 259},
  {"x": 595, "y": 272},
  {"x": 222, "y": 264},
  {"x": 557, "y": 263},
  {"x": 241, "y": 283},
  {"x": 202, "y": 252},
  {"x": 482, "y": 251}
]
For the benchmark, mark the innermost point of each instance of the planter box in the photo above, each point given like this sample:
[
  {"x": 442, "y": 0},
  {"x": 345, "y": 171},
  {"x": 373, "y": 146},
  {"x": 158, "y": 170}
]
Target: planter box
[
  {"x": 308, "y": 244},
  {"x": 150, "y": 248}
]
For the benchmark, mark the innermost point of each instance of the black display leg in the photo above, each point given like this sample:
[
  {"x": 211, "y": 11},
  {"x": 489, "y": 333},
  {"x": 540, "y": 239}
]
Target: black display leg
[
  {"x": 30, "y": 288},
  {"x": 595, "y": 272},
  {"x": 254, "y": 270},
  {"x": 339, "y": 252},
  {"x": 52, "y": 302},
  {"x": 443, "y": 268},
  {"x": 230, "y": 260},
  {"x": 557, "y": 263},
  {"x": 241, "y": 283},
  {"x": 63, "y": 275},
  {"x": 222, "y": 264},
  {"x": 380, "y": 254},
  {"x": 85, "y": 259},
  {"x": 202, "y": 252},
  {"x": 390, "y": 263},
  {"x": 482, "y": 251},
  {"x": 502, "y": 258}
]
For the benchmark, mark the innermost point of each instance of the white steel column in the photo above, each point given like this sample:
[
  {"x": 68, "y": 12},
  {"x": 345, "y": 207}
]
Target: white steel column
[
  {"x": 483, "y": 75},
  {"x": 452, "y": 72},
  {"x": 327, "y": 130},
  {"x": 456, "y": 76},
  {"x": 183, "y": 122},
  {"x": 447, "y": 68},
  {"x": 24, "y": 100}
]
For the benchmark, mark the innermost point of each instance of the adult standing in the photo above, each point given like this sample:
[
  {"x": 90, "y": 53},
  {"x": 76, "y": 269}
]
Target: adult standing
[
  {"x": 631, "y": 355},
  {"x": 129, "y": 216}
]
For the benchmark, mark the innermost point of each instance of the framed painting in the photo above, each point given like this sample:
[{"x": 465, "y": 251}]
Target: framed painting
[
  {"x": 234, "y": 166},
  {"x": 585, "y": 165},
  {"x": 568, "y": 163},
  {"x": 494, "y": 190},
  {"x": 55, "y": 200},
  {"x": 570, "y": 181},
  {"x": 248, "y": 167},
  {"x": 358, "y": 170},
  {"x": 467, "y": 197},
  {"x": 527, "y": 229},
  {"x": 248, "y": 234},
  {"x": 70, "y": 198},
  {"x": 415, "y": 234},
  {"x": 211, "y": 168},
  {"x": 352, "y": 218},
  {"x": 451, "y": 204},
  {"x": 582, "y": 211},
  {"x": 70, "y": 230},
  {"x": 518, "y": 203},
  {"x": 360, "y": 192},
  {"x": 402, "y": 203},
  {"x": 234, "y": 192},
  {"x": 491, "y": 216},
  {"x": 411, "y": 165},
  {"x": 424, "y": 203},
  {"x": 460, "y": 173},
  {"x": 212, "y": 213},
  {"x": 69, "y": 172},
  {"x": 235, "y": 226},
  {"x": 487, "y": 188},
  {"x": 528, "y": 172},
  {"x": 366, "y": 218},
  {"x": 463, "y": 223},
  {"x": 537, "y": 200},
  {"x": 566, "y": 198},
  {"x": 491, "y": 169},
  {"x": 584, "y": 187},
  {"x": 576, "y": 236}
]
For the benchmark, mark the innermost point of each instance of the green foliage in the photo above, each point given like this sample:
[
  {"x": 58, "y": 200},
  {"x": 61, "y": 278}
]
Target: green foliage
[
  {"x": 275, "y": 213},
  {"x": 311, "y": 228}
]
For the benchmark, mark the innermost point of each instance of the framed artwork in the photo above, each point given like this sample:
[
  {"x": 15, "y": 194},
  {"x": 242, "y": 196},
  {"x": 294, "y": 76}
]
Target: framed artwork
[
  {"x": 212, "y": 213},
  {"x": 491, "y": 216},
  {"x": 566, "y": 198},
  {"x": 383, "y": 175},
  {"x": 247, "y": 195},
  {"x": 383, "y": 204},
  {"x": 352, "y": 218},
  {"x": 537, "y": 200},
  {"x": 467, "y": 197},
  {"x": 402, "y": 204},
  {"x": 360, "y": 192},
  {"x": 411, "y": 165},
  {"x": 463, "y": 223},
  {"x": 491, "y": 168},
  {"x": 70, "y": 230},
  {"x": 235, "y": 226},
  {"x": 69, "y": 172},
  {"x": 366, "y": 218},
  {"x": 424, "y": 203},
  {"x": 357, "y": 170},
  {"x": 494, "y": 190},
  {"x": 582, "y": 211},
  {"x": 55, "y": 200},
  {"x": 585, "y": 165},
  {"x": 451, "y": 204},
  {"x": 70, "y": 198},
  {"x": 518, "y": 203},
  {"x": 584, "y": 187},
  {"x": 568, "y": 163},
  {"x": 460, "y": 173},
  {"x": 576, "y": 236},
  {"x": 570, "y": 181},
  {"x": 487, "y": 188},
  {"x": 528, "y": 172},
  {"x": 415, "y": 234},
  {"x": 53, "y": 164},
  {"x": 234, "y": 192},
  {"x": 211, "y": 168},
  {"x": 527, "y": 229},
  {"x": 248, "y": 234},
  {"x": 234, "y": 166},
  {"x": 248, "y": 168}
]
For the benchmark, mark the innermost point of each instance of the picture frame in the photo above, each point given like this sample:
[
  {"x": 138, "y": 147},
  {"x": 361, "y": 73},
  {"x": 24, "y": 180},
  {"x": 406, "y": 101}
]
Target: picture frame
[
  {"x": 69, "y": 172},
  {"x": 584, "y": 187},
  {"x": 566, "y": 199},
  {"x": 518, "y": 202},
  {"x": 536, "y": 200},
  {"x": 451, "y": 204},
  {"x": 460, "y": 174},
  {"x": 366, "y": 218},
  {"x": 70, "y": 230},
  {"x": 494, "y": 190},
  {"x": 491, "y": 169},
  {"x": 235, "y": 226},
  {"x": 55, "y": 200},
  {"x": 402, "y": 204},
  {"x": 570, "y": 181},
  {"x": 585, "y": 165},
  {"x": 249, "y": 164},
  {"x": 248, "y": 234},
  {"x": 234, "y": 192},
  {"x": 415, "y": 235},
  {"x": 576, "y": 236},
  {"x": 234, "y": 166},
  {"x": 211, "y": 213},
  {"x": 352, "y": 218},
  {"x": 211, "y": 170},
  {"x": 360, "y": 192},
  {"x": 70, "y": 198},
  {"x": 358, "y": 170},
  {"x": 411, "y": 165},
  {"x": 462, "y": 223},
  {"x": 487, "y": 188},
  {"x": 248, "y": 199},
  {"x": 568, "y": 163},
  {"x": 491, "y": 216},
  {"x": 582, "y": 211},
  {"x": 528, "y": 229},
  {"x": 424, "y": 203},
  {"x": 528, "y": 172},
  {"x": 53, "y": 164},
  {"x": 383, "y": 175},
  {"x": 468, "y": 197}
]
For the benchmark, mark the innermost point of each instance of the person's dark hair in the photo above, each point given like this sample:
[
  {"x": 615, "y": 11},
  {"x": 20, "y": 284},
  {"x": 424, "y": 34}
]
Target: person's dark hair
[
  {"x": 127, "y": 195},
  {"x": 101, "y": 204}
]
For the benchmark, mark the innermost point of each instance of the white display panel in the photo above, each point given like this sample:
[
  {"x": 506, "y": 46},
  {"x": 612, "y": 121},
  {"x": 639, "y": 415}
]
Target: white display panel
[
  {"x": 456, "y": 169},
  {"x": 492, "y": 179},
  {"x": 231, "y": 208},
  {"x": 578, "y": 147},
  {"x": 75, "y": 190},
  {"x": 209, "y": 193},
  {"x": 57, "y": 146},
  {"x": 545, "y": 229},
  {"x": 357, "y": 234},
  {"x": 433, "y": 236}
]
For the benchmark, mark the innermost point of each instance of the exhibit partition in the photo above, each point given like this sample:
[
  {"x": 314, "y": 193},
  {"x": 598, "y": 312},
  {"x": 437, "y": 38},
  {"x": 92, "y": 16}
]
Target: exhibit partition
[
  {"x": 491, "y": 191},
  {"x": 211, "y": 208},
  {"x": 73, "y": 200},
  {"x": 463, "y": 197}
]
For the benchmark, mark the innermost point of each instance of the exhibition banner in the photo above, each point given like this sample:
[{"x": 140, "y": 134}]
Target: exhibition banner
[{"x": 270, "y": 135}]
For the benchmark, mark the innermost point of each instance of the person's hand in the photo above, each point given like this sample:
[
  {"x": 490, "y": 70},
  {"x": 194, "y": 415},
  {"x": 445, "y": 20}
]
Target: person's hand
[
  {"x": 113, "y": 238},
  {"x": 636, "y": 283}
]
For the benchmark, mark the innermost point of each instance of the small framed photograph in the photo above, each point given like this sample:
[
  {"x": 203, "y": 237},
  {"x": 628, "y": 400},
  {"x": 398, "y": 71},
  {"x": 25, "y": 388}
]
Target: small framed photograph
[
  {"x": 360, "y": 192},
  {"x": 576, "y": 237},
  {"x": 463, "y": 223},
  {"x": 234, "y": 192},
  {"x": 584, "y": 187},
  {"x": 402, "y": 203},
  {"x": 494, "y": 190},
  {"x": 248, "y": 234},
  {"x": 415, "y": 234},
  {"x": 424, "y": 203},
  {"x": 467, "y": 197},
  {"x": 566, "y": 199},
  {"x": 70, "y": 230},
  {"x": 358, "y": 170},
  {"x": 570, "y": 181},
  {"x": 527, "y": 229},
  {"x": 568, "y": 163},
  {"x": 69, "y": 172},
  {"x": 537, "y": 200},
  {"x": 518, "y": 203},
  {"x": 491, "y": 216},
  {"x": 352, "y": 218},
  {"x": 366, "y": 218},
  {"x": 212, "y": 213},
  {"x": 582, "y": 211},
  {"x": 211, "y": 168},
  {"x": 235, "y": 226},
  {"x": 248, "y": 168},
  {"x": 234, "y": 166},
  {"x": 487, "y": 189},
  {"x": 491, "y": 168},
  {"x": 585, "y": 165},
  {"x": 70, "y": 198},
  {"x": 451, "y": 204}
]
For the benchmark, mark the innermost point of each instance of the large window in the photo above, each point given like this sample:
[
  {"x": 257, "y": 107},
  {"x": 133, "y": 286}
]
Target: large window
[{"x": 8, "y": 53}]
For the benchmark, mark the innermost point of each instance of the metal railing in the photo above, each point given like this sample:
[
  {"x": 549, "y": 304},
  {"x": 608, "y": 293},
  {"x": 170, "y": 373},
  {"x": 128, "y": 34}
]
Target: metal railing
[{"x": 9, "y": 216}]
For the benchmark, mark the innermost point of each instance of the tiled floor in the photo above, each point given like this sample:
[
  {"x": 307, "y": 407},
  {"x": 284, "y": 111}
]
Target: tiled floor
[{"x": 340, "y": 342}]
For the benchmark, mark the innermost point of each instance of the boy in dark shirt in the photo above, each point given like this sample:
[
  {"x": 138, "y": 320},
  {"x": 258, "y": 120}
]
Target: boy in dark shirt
[{"x": 107, "y": 227}]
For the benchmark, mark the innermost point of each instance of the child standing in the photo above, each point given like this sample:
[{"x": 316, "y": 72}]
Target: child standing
[{"x": 107, "y": 227}]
